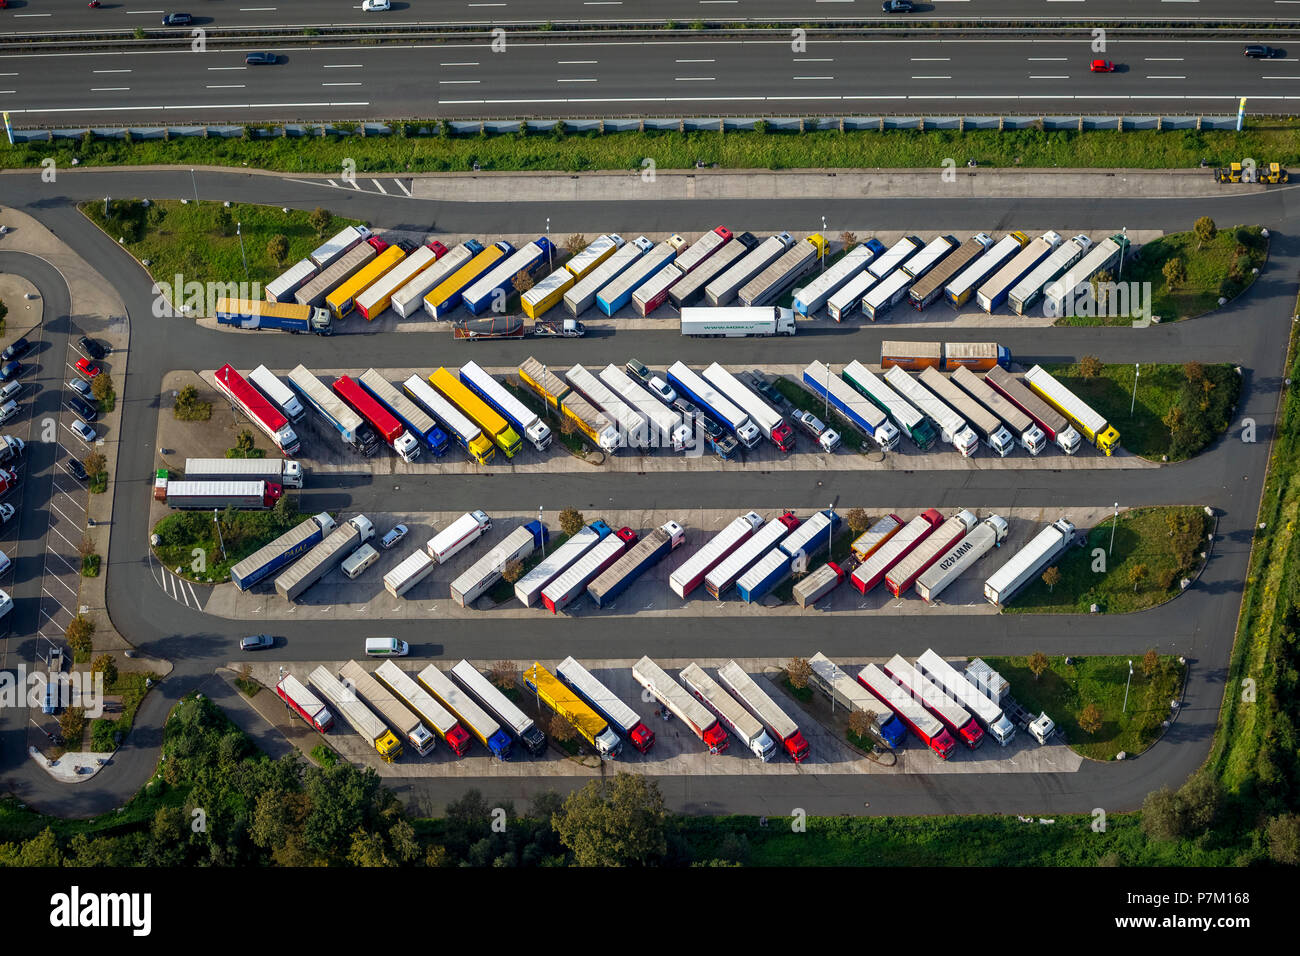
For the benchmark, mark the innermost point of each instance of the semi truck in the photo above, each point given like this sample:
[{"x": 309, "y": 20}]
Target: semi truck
[
  {"x": 1044, "y": 549},
  {"x": 620, "y": 716},
  {"x": 618, "y": 292},
  {"x": 280, "y": 471},
  {"x": 419, "y": 700},
  {"x": 487, "y": 570},
  {"x": 382, "y": 699},
  {"x": 559, "y": 328},
  {"x": 859, "y": 411},
  {"x": 736, "y": 322},
  {"x": 982, "y": 421},
  {"x": 489, "y": 327},
  {"x": 653, "y": 292},
  {"x": 894, "y": 257},
  {"x": 195, "y": 495},
  {"x": 1080, "y": 414},
  {"x": 985, "y": 536},
  {"x": 775, "y": 428},
  {"x": 724, "y": 288},
  {"x": 376, "y": 299},
  {"x": 808, "y": 299},
  {"x": 290, "y": 546},
  {"x": 596, "y": 252},
  {"x": 304, "y": 703},
  {"x": 900, "y": 578},
  {"x": 729, "y": 570},
  {"x": 791, "y": 554},
  {"x": 870, "y": 572},
  {"x": 931, "y": 285},
  {"x": 519, "y": 724},
  {"x": 933, "y": 253},
  {"x": 258, "y": 408},
  {"x": 847, "y": 299},
  {"x": 690, "y": 573},
  {"x": 909, "y": 421},
  {"x": 967, "y": 695},
  {"x": 522, "y": 418},
  {"x": 909, "y": 710},
  {"x": 280, "y": 394},
  {"x": 993, "y": 292},
  {"x": 874, "y": 538},
  {"x": 691, "y": 287},
  {"x": 547, "y": 294},
  {"x": 990, "y": 683},
  {"x": 885, "y": 294},
  {"x": 463, "y": 707},
  {"x": 482, "y": 414},
  {"x": 356, "y": 433},
  {"x": 795, "y": 263},
  {"x": 273, "y": 316},
  {"x": 582, "y": 295},
  {"x": 703, "y": 248},
  {"x": 555, "y": 393},
  {"x": 314, "y": 291},
  {"x": 463, "y": 431},
  {"x": 491, "y": 290},
  {"x": 1027, "y": 290},
  {"x": 843, "y": 691},
  {"x": 641, "y": 557},
  {"x": 667, "y": 430},
  {"x": 409, "y": 299},
  {"x": 714, "y": 403},
  {"x": 529, "y": 587},
  {"x": 1052, "y": 422},
  {"x": 944, "y": 356},
  {"x": 952, "y": 427},
  {"x": 385, "y": 424},
  {"x": 362, "y": 719},
  {"x": 1060, "y": 298},
  {"x": 747, "y": 728},
  {"x": 954, "y": 717},
  {"x": 574, "y": 579},
  {"x": 959, "y": 290},
  {"x": 442, "y": 299},
  {"x": 326, "y": 555},
  {"x": 458, "y": 535},
  {"x": 1031, "y": 438},
  {"x": 562, "y": 699},
  {"x": 342, "y": 299},
  {"x": 334, "y": 247},
  {"x": 633, "y": 428},
  {"x": 681, "y": 704},
  {"x": 408, "y": 572},
  {"x": 811, "y": 588},
  {"x": 418, "y": 423}
]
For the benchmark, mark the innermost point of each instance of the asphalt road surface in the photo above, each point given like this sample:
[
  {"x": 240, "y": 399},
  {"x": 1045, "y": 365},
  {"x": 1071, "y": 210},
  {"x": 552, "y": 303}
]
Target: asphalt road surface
[
  {"x": 1199, "y": 624},
  {"x": 666, "y": 77}
]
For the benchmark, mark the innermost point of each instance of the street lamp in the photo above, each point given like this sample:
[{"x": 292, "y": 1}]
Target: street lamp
[
  {"x": 541, "y": 531},
  {"x": 1126, "y": 686},
  {"x": 220, "y": 538},
  {"x": 239, "y": 231},
  {"x": 1112, "y": 530},
  {"x": 830, "y": 530},
  {"x": 1122, "y": 250},
  {"x": 195, "y": 183},
  {"x": 1133, "y": 404},
  {"x": 823, "y": 236},
  {"x": 826, "y": 394},
  {"x": 549, "y": 263}
]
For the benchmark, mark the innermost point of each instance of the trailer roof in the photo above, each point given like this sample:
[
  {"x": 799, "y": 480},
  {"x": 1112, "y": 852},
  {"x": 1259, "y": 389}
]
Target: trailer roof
[
  {"x": 416, "y": 697},
  {"x": 900, "y": 409},
  {"x": 926, "y": 401},
  {"x": 565, "y": 701},
  {"x": 927, "y": 692},
  {"x": 991, "y": 399},
  {"x": 744, "y": 397},
  {"x": 982, "y": 265},
  {"x": 1040, "y": 379},
  {"x": 584, "y": 567},
  {"x": 676, "y": 697},
  {"x": 554, "y": 563},
  {"x": 324, "y": 399},
  {"x": 831, "y": 676},
  {"x": 1032, "y": 553},
  {"x": 734, "y": 677},
  {"x": 362, "y": 718},
  {"x": 619, "y": 713},
  {"x": 962, "y": 403},
  {"x": 845, "y": 394},
  {"x": 726, "y": 706},
  {"x": 954, "y": 682},
  {"x": 900, "y": 700},
  {"x": 751, "y": 550},
  {"x": 459, "y": 702}
]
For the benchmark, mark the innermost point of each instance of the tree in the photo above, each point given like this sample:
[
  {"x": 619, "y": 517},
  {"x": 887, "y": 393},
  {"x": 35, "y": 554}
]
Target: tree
[
  {"x": 849, "y": 240},
  {"x": 246, "y": 441},
  {"x": 95, "y": 464},
  {"x": 4, "y": 310},
  {"x": 105, "y": 664},
  {"x": 224, "y": 222},
  {"x": 860, "y": 723},
  {"x": 402, "y": 837},
  {"x": 575, "y": 243},
  {"x": 1194, "y": 372},
  {"x": 1160, "y": 817},
  {"x": 512, "y": 571},
  {"x": 72, "y": 723},
  {"x": 504, "y": 674},
  {"x": 1205, "y": 230},
  {"x": 1038, "y": 663},
  {"x": 320, "y": 220},
  {"x": 101, "y": 386},
  {"x": 79, "y": 633},
  {"x": 571, "y": 521},
  {"x": 367, "y": 849},
  {"x": 560, "y": 729},
  {"x": 1284, "y": 838},
  {"x": 1137, "y": 574},
  {"x": 522, "y": 281},
  {"x": 568, "y": 426},
  {"x": 1090, "y": 719},
  {"x": 614, "y": 823},
  {"x": 1199, "y": 800},
  {"x": 41, "y": 850},
  {"x": 1175, "y": 273},
  {"x": 1150, "y": 662},
  {"x": 858, "y": 520},
  {"x": 1052, "y": 577},
  {"x": 1175, "y": 420},
  {"x": 797, "y": 672},
  {"x": 1090, "y": 366},
  {"x": 278, "y": 249}
]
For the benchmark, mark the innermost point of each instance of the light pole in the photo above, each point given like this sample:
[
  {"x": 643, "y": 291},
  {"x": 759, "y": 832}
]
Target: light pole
[
  {"x": 1133, "y": 404},
  {"x": 239, "y": 231},
  {"x": 1112, "y": 530},
  {"x": 220, "y": 538},
  {"x": 195, "y": 183},
  {"x": 1122, "y": 250},
  {"x": 1126, "y": 686},
  {"x": 546, "y": 406},
  {"x": 105, "y": 207},
  {"x": 826, "y": 394},
  {"x": 549, "y": 263},
  {"x": 541, "y": 531},
  {"x": 830, "y": 530},
  {"x": 823, "y": 236}
]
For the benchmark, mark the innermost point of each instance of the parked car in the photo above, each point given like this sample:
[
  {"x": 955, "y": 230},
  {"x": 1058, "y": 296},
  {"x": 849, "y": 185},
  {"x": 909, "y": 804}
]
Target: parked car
[
  {"x": 6, "y": 513},
  {"x": 84, "y": 431},
  {"x": 76, "y": 469},
  {"x": 1257, "y": 51},
  {"x": 177, "y": 19},
  {"x": 91, "y": 347},
  {"x": 18, "y": 349},
  {"x": 661, "y": 390},
  {"x": 687, "y": 408},
  {"x": 394, "y": 536},
  {"x": 6, "y": 603},
  {"x": 82, "y": 407},
  {"x": 1102, "y": 66},
  {"x": 810, "y": 423},
  {"x": 257, "y": 642},
  {"x": 897, "y": 6},
  {"x": 81, "y": 387},
  {"x": 88, "y": 368},
  {"x": 768, "y": 391},
  {"x": 260, "y": 59},
  {"x": 637, "y": 370},
  {"x": 372, "y": 5},
  {"x": 10, "y": 370},
  {"x": 5, "y": 563}
]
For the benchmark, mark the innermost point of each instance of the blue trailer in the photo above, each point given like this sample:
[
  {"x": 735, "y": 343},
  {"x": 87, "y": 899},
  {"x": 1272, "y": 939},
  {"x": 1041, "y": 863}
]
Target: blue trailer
[
  {"x": 481, "y": 295},
  {"x": 811, "y": 537},
  {"x": 713, "y": 402},
  {"x": 420, "y": 424},
  {"x": 619, "y": 292},
  {"x": 638, "y": 559},
  {"x": 272, "y": 316},
  {"x": 860, "y": 411},
  {"x": 290, "y": 546},
  {"x": 771, "y": 570}
]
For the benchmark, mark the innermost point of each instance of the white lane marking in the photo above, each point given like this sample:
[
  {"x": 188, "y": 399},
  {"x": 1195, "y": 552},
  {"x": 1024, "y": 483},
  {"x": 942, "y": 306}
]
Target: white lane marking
[
  {"x": 136, "y": 13},
  {"x": 575, "y": 62},
  {"x": 225, "y": 86},
  {"x": 227, "y": 68},
  {"x": 470, "y": 63},
  {"x": 710, "y": 61},
  {"x": 380, "y": 186},
  {"x": 192, "y": 594},
  {"x": 402, "y": 186},
  {"x": 254, "y": 9},
  {"x": 1166, "y": 77},
  {"x": 454, "y": 82},
  {"x": 1062, "y": 77},
  {"x": 357, "y": 83},
  {"x": 1280, "y": 77},
  {"x": 695, "y": 79},
  {"x": 932, "y": 77},
  {"x": 56, "y": 531},
  {"x": 930, "y": 59},
  {"x": 15, "y": 74},
  {"x": 1046, "y": 59},
  {"x": 585, "y": 80},
  {"x": 104, "y": 71},
  {"x": 814, "y": 59},
  {"x": 197, "y": 106},
  {"x": 71, "y": 567},
  {"x": 16, "y": 15},
  {"x": 1170, "y": 59},
  {"x": 332, "y": 183},
  {"x": 339, "y": 66},
  {"x": 8, "y": 91},
  {"x": 55, "y": 600},
  {"x": 812, "y": 77},
  {"x": 108, "y": 89}
]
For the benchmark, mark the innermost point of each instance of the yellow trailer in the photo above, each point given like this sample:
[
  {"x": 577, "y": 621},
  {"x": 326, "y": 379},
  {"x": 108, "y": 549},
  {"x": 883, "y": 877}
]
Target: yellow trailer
[
  {"x": 537, "y": 300},
  {"x": 341, "y": 300},
  {"x": 1078, "y": 412},
  {"x": 560, "y": 698}
]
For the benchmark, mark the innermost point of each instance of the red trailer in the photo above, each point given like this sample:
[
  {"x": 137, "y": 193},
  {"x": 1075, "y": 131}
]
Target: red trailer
[
  {"x": 900, "y": 545},
  {"x": 258, "y": 408},
  {"x": 304, "y": 703},
  {"x": 923, "y": 723},
  {"x": 955, "y": 717}
]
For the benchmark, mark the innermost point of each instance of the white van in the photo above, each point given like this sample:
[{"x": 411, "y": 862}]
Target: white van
[
  {"x": 6, "y": 603},
  {"x": 386, "y": 647},
  {"x": 10, "y": 389},
  {"x": 7, "y": 411},
  {"x": 359, "y": 560}
]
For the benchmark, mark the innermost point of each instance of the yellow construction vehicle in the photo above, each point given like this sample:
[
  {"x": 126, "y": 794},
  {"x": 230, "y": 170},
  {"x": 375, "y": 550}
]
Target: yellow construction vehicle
[
  {"x": 1252, "y": 173},
  {"x": 1274, "y": 173}
]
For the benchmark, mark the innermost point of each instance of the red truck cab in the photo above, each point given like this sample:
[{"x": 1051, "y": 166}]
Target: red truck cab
[
  {"x": 641, "y": 737},
  {"x": 458, "y": 740}
]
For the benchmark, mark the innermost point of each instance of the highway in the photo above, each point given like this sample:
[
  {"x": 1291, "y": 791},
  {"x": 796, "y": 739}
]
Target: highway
[
  {"x": 1199, "y": 624},
  {"x": 62, "y": 16},
  {"x": 670, "y": 78}
]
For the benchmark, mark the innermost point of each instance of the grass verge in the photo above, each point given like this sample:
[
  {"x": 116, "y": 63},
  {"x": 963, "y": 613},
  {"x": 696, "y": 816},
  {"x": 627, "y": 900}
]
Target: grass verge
[
  {"x": 242, "y": 533},
  {"x": 806, "y": 401},
  {"x": 1166, "y": 543},
  {"x": 575, "y": 441},
  {"x": 90, "y": 566},
  {"x": 131, "y": 687}
]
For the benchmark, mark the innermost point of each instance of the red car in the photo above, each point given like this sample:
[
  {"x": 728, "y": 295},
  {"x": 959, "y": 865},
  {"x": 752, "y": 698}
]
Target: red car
[
  {"x": 1102, "y": 66},
  {"x": 87, "y": 368}
]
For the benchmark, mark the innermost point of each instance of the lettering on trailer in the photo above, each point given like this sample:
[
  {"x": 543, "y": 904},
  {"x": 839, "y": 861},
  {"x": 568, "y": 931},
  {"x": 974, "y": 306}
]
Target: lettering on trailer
[{"x": 957, "y": 554}]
